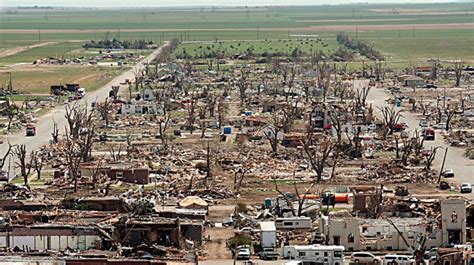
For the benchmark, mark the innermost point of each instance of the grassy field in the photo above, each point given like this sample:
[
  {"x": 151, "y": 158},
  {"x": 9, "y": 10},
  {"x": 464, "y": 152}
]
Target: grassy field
[
  {"x": 252, "y": 17},
  {"x": 394, "y": 35},
  {"x": 257, "y": 47},
  {"x": 38, "y": 80}
]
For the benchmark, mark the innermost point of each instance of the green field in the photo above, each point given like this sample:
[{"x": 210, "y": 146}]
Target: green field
[
  {"x": 38, "y": 80},
  {"x": 393, "y": 36}
]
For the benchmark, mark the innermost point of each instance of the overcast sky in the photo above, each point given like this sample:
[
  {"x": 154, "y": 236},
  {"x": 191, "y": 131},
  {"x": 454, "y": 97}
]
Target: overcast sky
[{"x": 140, "y": 3}]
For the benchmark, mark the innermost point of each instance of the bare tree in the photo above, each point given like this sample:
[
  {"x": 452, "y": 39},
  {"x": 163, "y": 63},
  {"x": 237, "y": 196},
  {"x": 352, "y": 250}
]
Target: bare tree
[
  {"x": 290, "y": 112},
  {"x": 11, "y": 112},
  {"x": 6, "y": 155},
  {"x": 21, "y": 156},
  {"x": 458, "y": 67},
  {"x": 429, "y": 160},
  {"x": 391, "y": 116},
  {"x": 273, "y": 130},
  {"x": 318, "y": 155},
  {"x": 164, "y": 123},
  {"x": 37, "y": 163},
  {"x": 243, "y": 85},
  {"x": 300, "y": 197},
  {"x": 449, "y": 111},
  {"x": 104, "y": 109},
  {"x": 55, "y": 132},
  {"x": 72, "y": 153},
  {"x": 191, "y": 114},
  {"x": 361, "y": 95}
]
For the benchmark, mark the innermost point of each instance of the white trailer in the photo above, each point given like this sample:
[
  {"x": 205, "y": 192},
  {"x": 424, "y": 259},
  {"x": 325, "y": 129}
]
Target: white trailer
[{"x": 330, "y": 255}]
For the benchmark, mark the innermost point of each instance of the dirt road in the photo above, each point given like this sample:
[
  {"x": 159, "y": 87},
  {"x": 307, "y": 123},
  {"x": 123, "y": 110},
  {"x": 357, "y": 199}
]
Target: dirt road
[
  {"x": 455, "y": 159},
  {"x": 16, "y": 50},
  {"x": 44, "y": 126}
]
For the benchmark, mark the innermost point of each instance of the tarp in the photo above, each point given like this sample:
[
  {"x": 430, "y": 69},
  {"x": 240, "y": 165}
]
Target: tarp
[{"x": 193, "y": 201}]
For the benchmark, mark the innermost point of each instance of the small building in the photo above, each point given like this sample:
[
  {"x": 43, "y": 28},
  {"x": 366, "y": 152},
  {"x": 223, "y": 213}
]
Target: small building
[
  {"x": 293, "y": 140},
  {"x": 148, "y": 94},
  {"x": 413, "y": 81},
  {"x": 138, "y": 176},
  {"x": 268, "y": 236}
]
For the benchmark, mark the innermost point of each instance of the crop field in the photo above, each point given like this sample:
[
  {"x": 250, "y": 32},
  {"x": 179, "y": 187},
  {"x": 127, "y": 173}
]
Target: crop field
[
  {"x": 401, "y": 31},
  {"x": 257, "y": 47},
  {"x": 37, "y": 81}
]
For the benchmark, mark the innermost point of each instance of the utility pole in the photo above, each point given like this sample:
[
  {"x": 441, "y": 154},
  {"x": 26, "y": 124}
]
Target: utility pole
[
  {"x": 10, "y": 84},
  {"x": 442, "y": 165}
]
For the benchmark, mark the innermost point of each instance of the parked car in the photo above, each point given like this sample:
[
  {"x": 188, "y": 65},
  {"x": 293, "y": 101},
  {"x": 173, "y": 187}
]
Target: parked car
[
  {"x": 269, "y": 254},
  {"x": 393, "y": 259},
  {"x": 431, "y": 254},
  {"x": 372, "y": 127},
  {"x": 423, "y": 124},
  {"x": 466, "y": 188},
  {"x": 429, "y": 134},
  {"x": 448, "y": 173},
  {"x": 440, "y": 126},
  {"x": 243, "y": 254},
  {"x": 365, "y": 258}
]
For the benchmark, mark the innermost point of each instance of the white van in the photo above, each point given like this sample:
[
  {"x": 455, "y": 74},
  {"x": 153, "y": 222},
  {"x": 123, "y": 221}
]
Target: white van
[{"x": 392, "y": 259}]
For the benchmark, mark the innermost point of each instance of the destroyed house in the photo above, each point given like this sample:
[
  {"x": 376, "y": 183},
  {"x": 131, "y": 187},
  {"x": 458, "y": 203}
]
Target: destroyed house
[
  {"x": 293, "y": 140},
  {"x": 358, "y": 234},
  {"x": 50, "y": 237},
  {"x": 156, "y": 230},
  {"x": 141, "y": 108},
  {"x": 138, "y": 176}
]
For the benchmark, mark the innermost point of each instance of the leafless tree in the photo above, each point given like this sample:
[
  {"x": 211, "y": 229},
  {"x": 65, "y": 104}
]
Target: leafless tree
[
  {"x": 361, "y": 95},
  {"x": 391, "y": 116},
  {"x": 243, "y": 85},
  {"x": 429, "y": 160},
  {"x": 73, "y": 154},
  {"x": 273, "y": 130},
  {"x": 11, "y": 111},
  {"x": 6, "y": 155},
  {"x": 290, "y": 112},
  {"x": 191, "y": 114},
  {"x": 21, "y": 156},
  {"x": 37, "y": 163},
  {"x": 300, "y": 197},
  {"x": 116, "y": 155},
  {"x": 104, "y": 110},
  {"x": 164, "y": 122},
  {"x": 318, "y": 155},
  {"x": 55, "y": 132},
  {"x": 324, "y": 77},
  {"x": 458, "y": 67},
  {"x": 449, "y": 111}
]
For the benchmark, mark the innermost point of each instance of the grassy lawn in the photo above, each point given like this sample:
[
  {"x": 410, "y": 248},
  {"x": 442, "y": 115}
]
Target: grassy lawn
[{"x": 39, "y": 80}]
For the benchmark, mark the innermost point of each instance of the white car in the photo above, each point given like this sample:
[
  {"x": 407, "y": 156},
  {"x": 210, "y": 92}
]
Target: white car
[
  {"x": 440, "y": 126},
  {"x": 466, "y": 188},
  {"x": 392, "y": 259},
  {"x": 243, "y": 254},
  {"x": 365, "y": 258},
  {"x": 448, "y": 173},
  {"x": 372, "y": 127},
  {"x": 424, "y": 124}
]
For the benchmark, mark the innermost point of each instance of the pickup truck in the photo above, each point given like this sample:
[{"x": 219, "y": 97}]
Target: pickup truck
[{"x": 269, "y": 254}]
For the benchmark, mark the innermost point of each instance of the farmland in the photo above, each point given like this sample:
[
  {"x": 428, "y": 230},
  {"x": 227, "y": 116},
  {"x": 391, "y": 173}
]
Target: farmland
[
  {"x": 34, "y": 80},
  {"x": 401, "y": 31}
]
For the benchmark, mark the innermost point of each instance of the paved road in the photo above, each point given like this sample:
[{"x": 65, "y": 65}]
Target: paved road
[
  {"x": 44, "y": 125},
  {"x": 455, "y": 159}
]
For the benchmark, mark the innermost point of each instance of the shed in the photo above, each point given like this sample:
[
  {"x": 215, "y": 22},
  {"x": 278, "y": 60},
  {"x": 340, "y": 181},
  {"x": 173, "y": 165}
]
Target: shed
[
  {"x": 268, "y": 234},
  {"x": 193, "y": 202}
]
